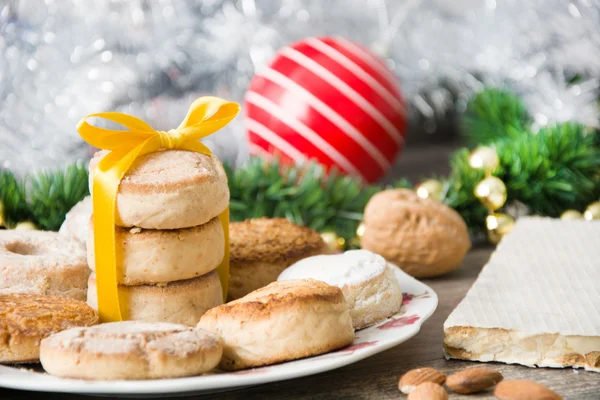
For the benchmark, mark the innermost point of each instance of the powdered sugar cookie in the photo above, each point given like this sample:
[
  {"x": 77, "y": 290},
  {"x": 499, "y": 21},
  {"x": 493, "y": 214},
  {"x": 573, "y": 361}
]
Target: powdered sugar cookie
[
  {"x": 180, "y": 302},
  {"x": 368, "y": 283},
  {"x": 44, "y": 263},
  {"x": 76, "y": 221},
  {"x": 130, "y": 350},
  {"x": 282, "y": 321},
  {"x": 170, "y": 189}
]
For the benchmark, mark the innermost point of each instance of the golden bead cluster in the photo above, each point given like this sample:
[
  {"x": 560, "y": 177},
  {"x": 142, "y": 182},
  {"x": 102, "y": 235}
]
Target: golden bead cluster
[
  {"x": 591, "y": 212},
  {"x": 491, "y": 192}
]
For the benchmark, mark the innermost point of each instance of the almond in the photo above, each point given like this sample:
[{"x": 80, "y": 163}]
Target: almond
[
  {"x": 428, "y": 391},
  {"x": 413, "y": 378},
  {"x": 524, "y": 390},
  {"x": 473, "y": 380}
]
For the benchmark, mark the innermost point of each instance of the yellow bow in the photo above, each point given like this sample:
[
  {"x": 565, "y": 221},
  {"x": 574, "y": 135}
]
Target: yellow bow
[{"x": 206, "y": 115}]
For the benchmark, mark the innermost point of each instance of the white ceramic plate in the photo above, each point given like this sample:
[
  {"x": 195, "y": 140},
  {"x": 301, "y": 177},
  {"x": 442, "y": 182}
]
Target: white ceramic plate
[{"x": 419, "y": 303}]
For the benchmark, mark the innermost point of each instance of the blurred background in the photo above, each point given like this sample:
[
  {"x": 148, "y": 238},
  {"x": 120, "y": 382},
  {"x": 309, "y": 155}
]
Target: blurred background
[{"x": 63, "y": 59}]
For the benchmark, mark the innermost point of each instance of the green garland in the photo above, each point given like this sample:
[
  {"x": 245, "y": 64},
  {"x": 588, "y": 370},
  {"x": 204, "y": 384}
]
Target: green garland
[
  {"x": 302, "y": 195},
  {"x": 43, "y": 198},
  {"x": 494, "y": 114},
  {"x": 554, "y": 169}
]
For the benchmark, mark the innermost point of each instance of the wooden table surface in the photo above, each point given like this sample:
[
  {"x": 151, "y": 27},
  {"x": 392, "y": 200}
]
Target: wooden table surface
[{"x": 377, "y": 376}]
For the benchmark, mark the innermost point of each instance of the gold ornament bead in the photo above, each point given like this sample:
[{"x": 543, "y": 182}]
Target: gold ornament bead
[
  {"x": 571, "y": 215},
  {"x": 360, "y": 231},
  {"x": 335, "y": 242},
  {"x": 25, "y": 226},
  {"x": 592, "y": 211},
  {"x": 355, "y": 241},
  {"x": 498, "y": 225},
  {"x": 431, "y": 188},
  {"x": 484, "y": 158},
  {"x": 491, "y": 192}
]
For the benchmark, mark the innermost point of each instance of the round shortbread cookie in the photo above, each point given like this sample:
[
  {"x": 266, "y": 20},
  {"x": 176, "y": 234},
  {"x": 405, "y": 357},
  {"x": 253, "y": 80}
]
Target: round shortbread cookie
[
  {"x": 160, "y": 256},
  {"x": 262, "y": 248},
  {"x": 181, "y": 302},
  {"x": 44, "y": 263},
  {"x": 75, "y": 225},
  {"x": 280, "y": 322},
  {"x": 368, "y": 283},
  {"x": 130, "y": 350},
  {"x": 25, "y": 319},
  {"x": 170, "y": 189}
]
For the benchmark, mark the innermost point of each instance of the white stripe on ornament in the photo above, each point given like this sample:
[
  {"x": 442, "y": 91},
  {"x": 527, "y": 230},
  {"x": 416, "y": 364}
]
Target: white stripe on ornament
[
  {"x": 277, "y": 141},
  {"x": 275, "y": 111},
  {"x": 340, "y": 122},
  {"x": 256, "y": 150},
  {"x": 368, "y": 58},
  {"x": 360, "y": 73},
  {"x": 345, "y": 89}
]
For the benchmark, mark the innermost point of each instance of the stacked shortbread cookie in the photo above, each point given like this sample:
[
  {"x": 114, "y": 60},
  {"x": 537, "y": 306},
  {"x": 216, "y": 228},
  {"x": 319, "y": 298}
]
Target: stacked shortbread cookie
[{"x": 169, "y": 237}]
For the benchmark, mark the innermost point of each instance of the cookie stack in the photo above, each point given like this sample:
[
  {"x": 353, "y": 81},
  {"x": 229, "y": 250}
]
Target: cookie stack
[{"x": 169, "y": 237}]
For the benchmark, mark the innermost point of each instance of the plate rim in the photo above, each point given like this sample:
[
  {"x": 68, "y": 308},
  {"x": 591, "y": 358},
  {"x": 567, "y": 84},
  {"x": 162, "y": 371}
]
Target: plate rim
[{"x": 192, "y": 384}]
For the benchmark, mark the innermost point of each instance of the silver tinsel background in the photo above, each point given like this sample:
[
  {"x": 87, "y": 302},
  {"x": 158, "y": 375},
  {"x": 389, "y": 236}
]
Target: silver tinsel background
[{"x": 63, "y": 59}]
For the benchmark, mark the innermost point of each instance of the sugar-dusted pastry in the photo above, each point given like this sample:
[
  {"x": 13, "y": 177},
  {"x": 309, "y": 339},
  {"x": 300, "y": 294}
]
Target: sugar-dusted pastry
[
  {"x": 161, "y": 256},
  {"x": 536, "y": 302},
  {"x": 75, "y": 225},
  {"x": 368, "y": 283},
  {"x": 130, "y": 350},
  {"x": 262, "y": 248},
  {"x": 44, "y": 263},
  {"x": 283, "y": 321},
  {"x": 170, "y": 189},
  {"x": 180, "y": 302},
  {"x": 25, "y": 319},
  {"x": 422, "y": 236}
]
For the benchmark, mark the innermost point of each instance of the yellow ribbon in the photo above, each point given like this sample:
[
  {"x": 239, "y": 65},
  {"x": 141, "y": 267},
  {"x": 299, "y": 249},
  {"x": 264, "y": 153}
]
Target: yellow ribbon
[{"x": 206, "y": 116}]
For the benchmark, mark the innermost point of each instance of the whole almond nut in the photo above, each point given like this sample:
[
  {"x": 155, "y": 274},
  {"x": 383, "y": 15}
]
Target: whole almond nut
[
  {"x": 473, "y": 380},
  {"x": 524, "y": 390},
  {"x": 413, "y": 378},
  {"x": 428, "y": 391}
]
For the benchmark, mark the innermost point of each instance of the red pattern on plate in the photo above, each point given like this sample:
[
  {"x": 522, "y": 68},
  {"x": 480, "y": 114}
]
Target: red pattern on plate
[
  {"x": 400, "y": 322},
  {"x": 407, "y": 298},
  {"x": 357, "y": 346}
]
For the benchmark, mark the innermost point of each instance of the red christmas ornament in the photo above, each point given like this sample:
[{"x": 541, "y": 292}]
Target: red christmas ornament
[{"x": 331, "y": 100}]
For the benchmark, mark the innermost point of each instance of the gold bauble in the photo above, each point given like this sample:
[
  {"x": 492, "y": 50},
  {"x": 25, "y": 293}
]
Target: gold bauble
[
  {"x": 335, "y": 242},
  {"x": 498, "y": 225},
  {"x": 571, "y": 214},
  {"x": 491, "y": 192},
  {"x": 484, "y": 158},
  {"x": 360, "y": 231},
  {"x": 355, "y": 241},
  {"x": 25, "y": 226},
  {"x": 431, "y": 188},
  {"x": 592, "y": 211},
  {"x": 1, "y": 214}
]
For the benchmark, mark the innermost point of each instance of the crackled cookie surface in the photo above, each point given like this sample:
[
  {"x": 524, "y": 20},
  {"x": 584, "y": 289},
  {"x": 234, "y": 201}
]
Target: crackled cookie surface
[{"x": 25, "y": 319}]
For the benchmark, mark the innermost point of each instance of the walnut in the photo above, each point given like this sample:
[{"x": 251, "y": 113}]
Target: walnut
[{"x": 422, "y": 236}]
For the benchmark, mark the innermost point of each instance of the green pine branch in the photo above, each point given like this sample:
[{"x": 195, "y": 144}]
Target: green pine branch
[
  {"x": 43, "y": 198},
  {"x": 555, "y": 169},
  {"x": 302, "y": 194},
  {"x": 494, "y": 114},
  {"x": 12, "y": 196}
]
